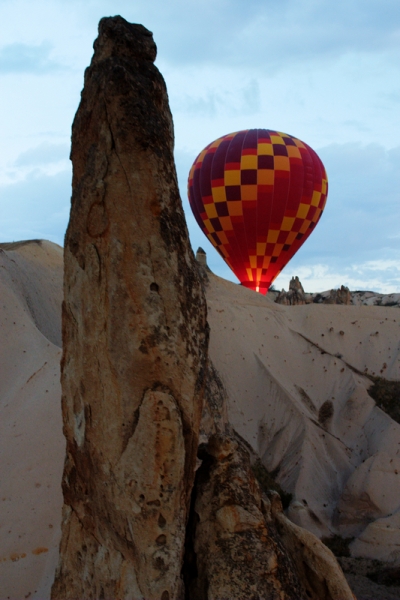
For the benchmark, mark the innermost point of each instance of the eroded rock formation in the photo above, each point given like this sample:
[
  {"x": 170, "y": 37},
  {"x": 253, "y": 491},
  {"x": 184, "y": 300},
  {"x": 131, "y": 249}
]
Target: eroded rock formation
[
  {"x": 236, "y": 551},
  {"x": 138, "y": 389},
  {"x": 134, "y": 335},
  {"x": 241, "y": 545},
  {"x": 341, "y": 295},
  {"x": 294, "y": 296}
]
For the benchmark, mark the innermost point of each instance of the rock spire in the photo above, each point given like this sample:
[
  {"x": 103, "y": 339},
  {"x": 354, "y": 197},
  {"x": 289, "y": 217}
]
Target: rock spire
[{"x": 135, "y": 335}]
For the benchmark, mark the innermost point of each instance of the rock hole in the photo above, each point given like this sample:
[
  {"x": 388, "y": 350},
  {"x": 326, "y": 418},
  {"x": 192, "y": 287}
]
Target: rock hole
[
  {"x": 161, "y": 521},
  {"x": 154, "y": 288},
  {"x": 154, "y": 503},
  {"x": 165, "y": 595},
  {"x": 161, "y": 540},
  {"x": 159, "y": 564}
]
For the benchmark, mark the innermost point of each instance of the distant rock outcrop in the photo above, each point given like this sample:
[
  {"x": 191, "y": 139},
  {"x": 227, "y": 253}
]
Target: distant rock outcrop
[
  {"x": 134, "y": 332},
  {"x": 138, "y": 390},
  {"x": 341, "y": 295},
  {"x": 374, "y": 299},
  {"x": 295, "y": 295}
]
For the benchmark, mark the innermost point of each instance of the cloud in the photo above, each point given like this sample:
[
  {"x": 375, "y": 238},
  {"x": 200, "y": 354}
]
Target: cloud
[
  {"x": 272, "y": 34},
  {"x": 362, "y": 213},
  {"x": 26, "y": 58},
  {"x": 379, "y": 265},
  {"x": 36, "y": 207},
  {"x": 43, "y": 154},
  {"x": 243, "y": 100},
  {"x": 381, "y": 276}
]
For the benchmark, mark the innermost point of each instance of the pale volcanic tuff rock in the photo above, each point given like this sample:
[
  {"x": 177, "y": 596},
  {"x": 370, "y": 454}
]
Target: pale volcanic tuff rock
[
  {"x": 296, "y": 394},
  {"x": 30, "y": 419},
  {"x": 134, "y": 332},
  {"x": 317, "y": 567},
  {"x": 32, "y": 447}
]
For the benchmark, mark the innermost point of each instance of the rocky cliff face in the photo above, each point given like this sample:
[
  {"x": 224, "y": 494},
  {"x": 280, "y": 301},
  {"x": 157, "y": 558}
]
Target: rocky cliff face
[{"x": 134, "y": 334}]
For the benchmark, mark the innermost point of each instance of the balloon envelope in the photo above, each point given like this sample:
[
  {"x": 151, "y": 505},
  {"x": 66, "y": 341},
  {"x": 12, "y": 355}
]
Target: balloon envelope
[{"x": 257, "y": 195}]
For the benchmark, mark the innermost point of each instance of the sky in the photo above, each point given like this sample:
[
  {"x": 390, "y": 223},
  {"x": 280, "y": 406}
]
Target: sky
[{"x": 324, "y": 71}]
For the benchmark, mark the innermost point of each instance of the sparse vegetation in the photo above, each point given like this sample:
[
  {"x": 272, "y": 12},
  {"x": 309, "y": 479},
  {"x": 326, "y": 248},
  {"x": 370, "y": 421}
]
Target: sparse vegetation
[
  {"x": 386, "y": 395},
  {"x": 385, "y": 575},
  {"x": 338, "y": 545},
  {"x": 377, "y": 571},
  {"x": 325, "y": 412},
  {"x": 306, "y": 398},
  {"x": 267, "y": 482}
]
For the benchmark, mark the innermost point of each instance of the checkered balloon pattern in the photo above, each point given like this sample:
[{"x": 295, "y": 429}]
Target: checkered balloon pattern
[{"x": 257, "y": 195}]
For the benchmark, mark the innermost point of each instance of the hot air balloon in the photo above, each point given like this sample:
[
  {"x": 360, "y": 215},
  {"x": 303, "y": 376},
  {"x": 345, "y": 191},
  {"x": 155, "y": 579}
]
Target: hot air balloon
[{"x": 257, "y": 195}]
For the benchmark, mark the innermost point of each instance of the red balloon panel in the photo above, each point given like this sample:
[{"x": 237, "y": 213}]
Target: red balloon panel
[{"x": 257, "y": 195}]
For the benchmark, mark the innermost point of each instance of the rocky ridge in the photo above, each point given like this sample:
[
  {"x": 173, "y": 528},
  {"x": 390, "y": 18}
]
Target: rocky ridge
[
  {"x": 134, "y": 335},
  {"x": 297, "y": 296}
]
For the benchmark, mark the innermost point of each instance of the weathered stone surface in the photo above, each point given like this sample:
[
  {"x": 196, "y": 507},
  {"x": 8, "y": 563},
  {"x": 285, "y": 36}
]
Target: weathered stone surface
[
  {"x": 380, "y": 540},
  {"x": 317, "y": 568},
  {"x": 214, "y": 419},
  {"x": 201, "y": 257},
  {"x": 233, "y": 549},
  {"x": 134, "y": 333},
  {"x": 371, "y": 492}
]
